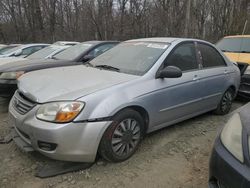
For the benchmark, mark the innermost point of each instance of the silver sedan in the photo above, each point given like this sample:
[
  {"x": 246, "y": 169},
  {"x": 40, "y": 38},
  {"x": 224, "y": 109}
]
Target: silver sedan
[{"x": 109, "y": 104}]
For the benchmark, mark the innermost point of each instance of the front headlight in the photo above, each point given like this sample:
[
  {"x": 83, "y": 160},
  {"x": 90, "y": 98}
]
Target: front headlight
[
  {"x": 11, "y": 75},
  {"x": 231, "y": 137},
  {"x": 247, "y": 71},
  {"x": 59, "y": 112}
]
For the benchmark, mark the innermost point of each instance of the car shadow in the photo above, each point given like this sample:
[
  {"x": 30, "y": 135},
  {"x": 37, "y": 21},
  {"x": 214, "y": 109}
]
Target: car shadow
[{"x": 4, "y": 103}]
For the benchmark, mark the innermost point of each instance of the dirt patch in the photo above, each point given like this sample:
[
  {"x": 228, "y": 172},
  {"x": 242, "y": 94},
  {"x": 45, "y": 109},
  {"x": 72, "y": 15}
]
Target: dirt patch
[{"x": 173, "y": 157}]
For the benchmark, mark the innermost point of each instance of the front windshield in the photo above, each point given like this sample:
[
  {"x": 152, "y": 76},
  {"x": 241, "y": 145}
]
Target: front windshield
[
  {"x": 9, "y": 50},
  {"x": 43, "y": 53},
  {"x": 73, "y": 52},
  {"x": 132, "y": 57},
  {"x": 4, "y": 49},
  {"x": 238, "y": 45}
]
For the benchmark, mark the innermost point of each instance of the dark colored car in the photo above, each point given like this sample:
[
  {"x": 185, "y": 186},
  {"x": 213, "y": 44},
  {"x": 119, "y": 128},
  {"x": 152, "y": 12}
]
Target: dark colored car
[
  {"x": 244, "y": 90},
  {"x": 230, "y": 159},
  {"x": 75, "y": 55}
]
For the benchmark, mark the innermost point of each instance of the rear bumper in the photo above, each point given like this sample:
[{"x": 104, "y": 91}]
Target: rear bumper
[
  {"x": 7, "y": 88},
  {"x": 227, "y": 170}
]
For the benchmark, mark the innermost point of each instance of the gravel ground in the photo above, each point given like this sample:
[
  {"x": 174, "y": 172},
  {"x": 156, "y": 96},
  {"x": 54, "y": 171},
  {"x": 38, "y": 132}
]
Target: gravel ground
[{"x": 173, "y": 157}]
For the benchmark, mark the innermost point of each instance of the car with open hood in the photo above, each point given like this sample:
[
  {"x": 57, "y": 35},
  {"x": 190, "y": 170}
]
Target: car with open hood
[
  {"x": 108, "y": 105},
  {"x": 237, "y": 49},
  {"x": 74, "y": 55}
]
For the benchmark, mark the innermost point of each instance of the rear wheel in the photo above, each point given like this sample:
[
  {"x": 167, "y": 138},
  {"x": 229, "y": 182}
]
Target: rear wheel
[
  {"x": 226, "y": 102},
  {"x": 122, "y": 137}
]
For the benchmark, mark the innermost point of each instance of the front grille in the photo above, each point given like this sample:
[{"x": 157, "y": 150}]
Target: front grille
[{"x": 22, "y": 104}]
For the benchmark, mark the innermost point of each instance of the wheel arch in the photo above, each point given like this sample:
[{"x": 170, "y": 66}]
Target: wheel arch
[
  {"x": 233, "y": 88},
  {"x": 142, "y": 111}
]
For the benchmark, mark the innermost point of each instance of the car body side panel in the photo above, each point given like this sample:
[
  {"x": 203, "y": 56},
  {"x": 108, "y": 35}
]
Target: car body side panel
[{"x": 213, "y": 84}]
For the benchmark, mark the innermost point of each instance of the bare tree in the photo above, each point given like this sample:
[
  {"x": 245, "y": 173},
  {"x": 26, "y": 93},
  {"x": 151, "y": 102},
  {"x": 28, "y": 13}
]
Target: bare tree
[{"x": 51, "y": 20}]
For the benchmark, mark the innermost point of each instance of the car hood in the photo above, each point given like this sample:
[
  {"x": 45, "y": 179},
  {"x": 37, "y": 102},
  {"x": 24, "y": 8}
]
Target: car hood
[
  {"x": 239, "y": 57},
  {"x": 6, "y": 60},
  {"x": 4, "y": 56},
  {"x": 27, "y": 65},
  {"x": 68, "y": 83}
]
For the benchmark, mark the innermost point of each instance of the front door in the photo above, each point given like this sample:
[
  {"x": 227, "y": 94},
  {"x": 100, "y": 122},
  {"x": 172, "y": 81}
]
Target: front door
[{"x": 175, "y": 99}]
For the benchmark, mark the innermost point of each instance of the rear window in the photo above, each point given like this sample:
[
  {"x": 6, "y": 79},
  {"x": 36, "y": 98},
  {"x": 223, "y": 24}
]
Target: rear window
[
  {"x": 210, "y": 56},
  {"x": 73, "y": 52},
  {"x": 238, "y": 45},
  {"x": 6, "y": 49},
  {"x": 43, "y": 53}
]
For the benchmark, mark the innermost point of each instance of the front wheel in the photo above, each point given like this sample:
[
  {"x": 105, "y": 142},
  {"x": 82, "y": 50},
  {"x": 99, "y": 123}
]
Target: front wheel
[
  {"x": 122, "y": 137},
  {"x": 226, "y": 103}
]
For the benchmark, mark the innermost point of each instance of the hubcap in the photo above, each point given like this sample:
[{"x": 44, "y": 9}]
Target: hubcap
[
  {"x": 126, "y": 137},
  {"x": 226, "y": 101}
]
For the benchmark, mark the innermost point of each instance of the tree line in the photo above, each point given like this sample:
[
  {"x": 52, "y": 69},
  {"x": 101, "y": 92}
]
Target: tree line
[{"x": 81, "y": 20}]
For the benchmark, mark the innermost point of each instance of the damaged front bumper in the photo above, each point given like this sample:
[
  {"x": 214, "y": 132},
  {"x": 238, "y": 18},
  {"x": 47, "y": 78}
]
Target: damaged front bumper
[{"x": 75, "y": 142}]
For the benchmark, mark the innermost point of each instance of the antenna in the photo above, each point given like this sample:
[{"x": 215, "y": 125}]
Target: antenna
[
  {"x": 245, "y": 27},
  {"x": 242, "y": 39}
]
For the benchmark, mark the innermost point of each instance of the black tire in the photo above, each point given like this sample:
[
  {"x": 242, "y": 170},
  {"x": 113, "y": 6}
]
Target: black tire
[
  {"x": 225, "y": 104},
  {"x": 108, "y": 146}
]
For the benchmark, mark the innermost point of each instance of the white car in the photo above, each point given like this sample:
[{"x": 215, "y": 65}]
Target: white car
[
  {"x": 2, "y": 46},
  {"x": 22, "y": 50},
  {"x": 44, "y": 53}
]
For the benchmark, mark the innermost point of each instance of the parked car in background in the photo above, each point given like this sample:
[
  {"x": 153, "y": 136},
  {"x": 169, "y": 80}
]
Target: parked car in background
[
  {"x": 230, "y": 162},
  {"x": 22, "y": 50},
  {"x": 2, "y": 46},
  {"x": 47, "y": 52},
  {"x": 74, "y": 55},
  {"x": 51, "y": 50},
  {"x": 237, "y": 49},
  {"x": 66, "y": 43},
  {"x": 107, "y": 106},
  {"x": 8, "y": 47}
]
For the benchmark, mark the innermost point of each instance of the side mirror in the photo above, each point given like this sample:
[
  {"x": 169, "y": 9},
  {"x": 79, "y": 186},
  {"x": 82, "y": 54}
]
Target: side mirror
[
  {"x": 87, "y": 58},
  {"x": 18, "y": 52},
  {"x": 170, "y": 72}
]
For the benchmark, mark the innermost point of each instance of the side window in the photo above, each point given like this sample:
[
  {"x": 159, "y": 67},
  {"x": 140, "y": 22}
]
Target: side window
[
  {"x": 183, "y": 57},
  {"x": 30, "y": 50},
  {"x": 100, "y": 49},
  {"x": 210, "y": 56}
]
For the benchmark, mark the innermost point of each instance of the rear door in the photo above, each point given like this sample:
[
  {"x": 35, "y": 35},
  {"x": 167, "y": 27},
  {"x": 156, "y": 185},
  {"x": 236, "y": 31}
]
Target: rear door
[{"x": 213, "y": 76}]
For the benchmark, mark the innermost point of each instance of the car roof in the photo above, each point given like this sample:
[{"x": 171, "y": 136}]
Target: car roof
[
  {"x": 59, "y": 46},
  {"x": 164, "y": 39},
  {"x": 238, "y": 36},
  {"x": 95, "y": 42},
  {"x": 34, "y": 44},
  {"x": 65, "y": 43}
]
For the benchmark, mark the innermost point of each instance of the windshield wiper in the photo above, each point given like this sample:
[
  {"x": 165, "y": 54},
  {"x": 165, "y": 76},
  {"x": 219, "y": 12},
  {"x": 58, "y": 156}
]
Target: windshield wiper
[
  {"x": 244, "y": 51},
  {"x": 228, "y": 51},
  {"x": 235, "y": 51},
  {"x": 88, "y": 64},
  {"x": 53, "y": 57},
  {"x": 108, "y": 67}
]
